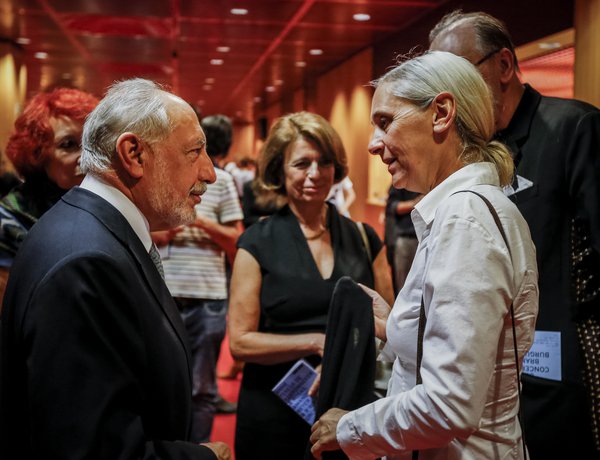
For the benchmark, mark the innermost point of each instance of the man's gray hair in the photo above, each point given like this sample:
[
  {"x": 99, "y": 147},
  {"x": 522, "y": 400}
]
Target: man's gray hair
[
  {"x": 137, "y": 106},
  {"x": 419, "y": 80},
  {"x": 491, "y": 33}
]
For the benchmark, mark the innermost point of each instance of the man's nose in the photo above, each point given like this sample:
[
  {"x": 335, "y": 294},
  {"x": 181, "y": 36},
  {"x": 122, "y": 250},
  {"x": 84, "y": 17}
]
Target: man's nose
[{"x": 206, "y": 171}]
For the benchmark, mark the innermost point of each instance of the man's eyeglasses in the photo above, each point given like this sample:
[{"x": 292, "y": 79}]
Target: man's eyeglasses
[{"x": 486, "y": 57}]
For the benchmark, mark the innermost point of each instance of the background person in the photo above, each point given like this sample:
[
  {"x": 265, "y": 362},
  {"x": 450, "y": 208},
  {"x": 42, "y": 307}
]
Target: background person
[
  {"x": 94, "y": 360},
  {"x": 259, "y": 202},
  {"x": 555, "y": 146},
  {"x": 433, "y": 120},
  {"x": 342, "y": 195},
  {"x": 44, "y": 148},
  {"x": 283, "y": 278},
  {"x": 242, "y": 171},
  {"x": 400, "y": 237},
  {"x": 8, "y": 178}
]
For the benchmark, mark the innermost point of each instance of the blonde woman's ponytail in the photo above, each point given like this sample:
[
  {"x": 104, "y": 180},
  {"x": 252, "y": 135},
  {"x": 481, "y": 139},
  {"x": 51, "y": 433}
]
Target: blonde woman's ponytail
[{"x": 496, "y": 152}]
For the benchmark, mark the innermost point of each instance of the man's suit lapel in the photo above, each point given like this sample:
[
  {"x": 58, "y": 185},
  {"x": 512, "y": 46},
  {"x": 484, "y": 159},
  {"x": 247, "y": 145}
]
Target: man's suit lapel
[
  {"x": 518, "y": 130},
  {"x": 117, "y": 225},
  {"x": 517, "y": 133}
]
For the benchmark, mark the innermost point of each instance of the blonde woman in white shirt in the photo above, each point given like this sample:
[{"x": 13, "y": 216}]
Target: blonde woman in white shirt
[{"x": 433, "y": 120}]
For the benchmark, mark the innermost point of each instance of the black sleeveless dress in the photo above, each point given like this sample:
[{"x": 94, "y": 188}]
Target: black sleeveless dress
[{"x": 294, "y": 299}]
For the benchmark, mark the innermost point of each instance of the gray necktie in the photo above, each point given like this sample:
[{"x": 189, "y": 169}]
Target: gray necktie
[{"x": 155, "y": 256}]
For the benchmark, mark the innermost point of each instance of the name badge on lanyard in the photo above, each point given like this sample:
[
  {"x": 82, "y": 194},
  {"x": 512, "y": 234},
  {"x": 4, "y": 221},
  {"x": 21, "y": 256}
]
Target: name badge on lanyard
[{"x": 543, "y": 359}]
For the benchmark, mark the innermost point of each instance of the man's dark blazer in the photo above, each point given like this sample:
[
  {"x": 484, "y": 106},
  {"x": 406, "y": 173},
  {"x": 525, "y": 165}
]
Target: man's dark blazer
[{"x": 94, "y": 360}]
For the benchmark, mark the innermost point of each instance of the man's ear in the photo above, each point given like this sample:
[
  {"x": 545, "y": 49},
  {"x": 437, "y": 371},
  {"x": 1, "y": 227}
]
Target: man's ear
[
  {"x": 507, "y": 65},
  {"x": 131, "y": 153},
  {"x": 444, "y": 112}
]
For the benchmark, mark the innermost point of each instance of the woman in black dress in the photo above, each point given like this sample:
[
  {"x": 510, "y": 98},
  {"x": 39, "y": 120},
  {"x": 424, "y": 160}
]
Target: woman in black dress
[{"x": 283, "y": 278}]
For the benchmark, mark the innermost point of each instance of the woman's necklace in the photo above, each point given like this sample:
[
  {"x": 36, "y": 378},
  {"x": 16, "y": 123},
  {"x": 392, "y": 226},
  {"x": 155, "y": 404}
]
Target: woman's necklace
[{"x": 319, "y": 234}]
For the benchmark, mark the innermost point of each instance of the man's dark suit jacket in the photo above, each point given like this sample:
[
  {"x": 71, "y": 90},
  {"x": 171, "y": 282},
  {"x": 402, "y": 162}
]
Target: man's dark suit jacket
[
  {"x": 94, "y": 360},
  {"x": 556, "y": 145}
]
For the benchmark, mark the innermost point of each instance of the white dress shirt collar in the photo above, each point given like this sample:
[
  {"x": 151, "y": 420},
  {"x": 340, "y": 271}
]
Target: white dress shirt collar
[
  {"x": 469, "y": 175},
  {"x": 124, "y": 205}
]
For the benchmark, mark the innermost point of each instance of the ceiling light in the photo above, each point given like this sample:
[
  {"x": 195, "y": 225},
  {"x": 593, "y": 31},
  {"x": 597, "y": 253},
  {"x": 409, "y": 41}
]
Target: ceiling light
[
  {"x": 209, "y": 80},
  {"x": 316, "y": 52},
  {"x": 40, "y": 55},
  {"x": 206, "y": 87},
  {"x": 238, "y": 11},
  {"x": 23, "y": 41},
  {"x": 257, "y": 99},
  {"x": 549, "y": 45},
  {"x": 361, "y": 17},
  {"x": 217, "y": 61},
  {"x": 270, "y": 89},
  {"x": 300, "y": 64},
  {"x": 223, "y": 49},
  {"x": 279, "y": 82}
]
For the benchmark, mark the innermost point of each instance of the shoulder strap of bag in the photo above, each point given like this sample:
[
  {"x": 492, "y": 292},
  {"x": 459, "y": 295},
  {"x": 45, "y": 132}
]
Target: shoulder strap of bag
[
  {"x": 423, "y": 320},
  {"x": 421, "y": 332}
]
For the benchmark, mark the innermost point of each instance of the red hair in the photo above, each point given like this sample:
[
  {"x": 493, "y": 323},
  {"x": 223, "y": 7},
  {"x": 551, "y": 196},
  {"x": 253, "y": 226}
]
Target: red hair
[{"x": 33, "y": 137}]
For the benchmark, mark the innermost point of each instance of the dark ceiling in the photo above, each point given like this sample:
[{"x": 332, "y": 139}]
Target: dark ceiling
[
  {"x": 260, "y": 55},
  {"x": 91, "y": 43}
]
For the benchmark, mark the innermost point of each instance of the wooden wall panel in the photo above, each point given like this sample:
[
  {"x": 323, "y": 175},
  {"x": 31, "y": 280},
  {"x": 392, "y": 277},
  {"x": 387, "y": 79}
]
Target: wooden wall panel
[
  {"x": 344, "y": 98},
  {"x": 243, "y": 142}
]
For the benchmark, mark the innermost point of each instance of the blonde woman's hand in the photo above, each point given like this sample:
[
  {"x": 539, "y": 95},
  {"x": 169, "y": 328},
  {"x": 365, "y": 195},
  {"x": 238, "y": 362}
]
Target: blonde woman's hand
[
  {"x": 381, "y": 312},
  {"x": 323, "y": 432}
]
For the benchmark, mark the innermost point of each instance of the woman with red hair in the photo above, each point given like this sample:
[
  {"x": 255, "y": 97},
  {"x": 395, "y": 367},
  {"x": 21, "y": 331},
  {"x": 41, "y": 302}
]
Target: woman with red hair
[{"x": 44, "y": 149}]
